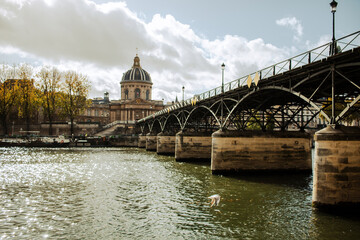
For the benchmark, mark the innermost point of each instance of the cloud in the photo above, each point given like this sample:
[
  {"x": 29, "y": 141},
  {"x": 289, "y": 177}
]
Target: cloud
[
  {"x": 324, "y": 39},
  {"x": 294, "y": 25},
  {"x": 100, "y": 40}
]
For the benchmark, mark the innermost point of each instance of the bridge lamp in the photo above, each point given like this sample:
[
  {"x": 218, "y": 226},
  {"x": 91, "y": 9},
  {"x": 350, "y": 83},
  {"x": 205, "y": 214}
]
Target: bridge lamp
[
  {"x": 183, "y": 89},
  {"x": 333, "y": 5},
  {"x": 222, "y": 82}
]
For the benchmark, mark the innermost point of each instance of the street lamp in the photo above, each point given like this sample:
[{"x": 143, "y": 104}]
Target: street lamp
[
  {"x": 333, "y": 5},
  {"x": 222, "y": 82},
  {"x": 183, "y": 89}
]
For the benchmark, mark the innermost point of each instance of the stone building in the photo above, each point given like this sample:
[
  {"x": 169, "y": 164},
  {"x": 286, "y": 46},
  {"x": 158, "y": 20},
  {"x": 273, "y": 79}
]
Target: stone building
[
  {"x": 97, "y": 112},
  {"x": 136, "y": 96}
]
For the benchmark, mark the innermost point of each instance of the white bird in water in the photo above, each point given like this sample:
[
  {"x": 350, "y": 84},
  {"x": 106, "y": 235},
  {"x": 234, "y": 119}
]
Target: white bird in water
[{"x": 215, "y": 199}]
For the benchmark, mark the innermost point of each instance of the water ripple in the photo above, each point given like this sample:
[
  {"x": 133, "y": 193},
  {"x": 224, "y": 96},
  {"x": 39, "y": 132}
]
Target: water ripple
[{"x": 133, "y": 194}]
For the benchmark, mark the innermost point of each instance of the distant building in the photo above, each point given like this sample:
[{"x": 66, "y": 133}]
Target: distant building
[
  {"x": 100, "y": 100},
  {"x": 97, "y": 112},
  {"x": 135, "y": 102},
  {"x": 136, "y": 97}
]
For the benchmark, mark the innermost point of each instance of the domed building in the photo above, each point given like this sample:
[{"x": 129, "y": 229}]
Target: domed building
[
  {"x": 136, "y": 83},
  {"x": 136, "y": 97}
]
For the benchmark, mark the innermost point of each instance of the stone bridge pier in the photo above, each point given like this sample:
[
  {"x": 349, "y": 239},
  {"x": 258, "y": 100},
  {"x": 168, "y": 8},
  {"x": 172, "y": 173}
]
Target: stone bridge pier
[
  {"x": 151, "y": 141},
  {"x": 257, "y": 151},
  {"x": 336, "y": 181},
  {"x": 165, "y": 143},
  {"x": 193, "y": 146},
  {"x": 142, "y": 141}
]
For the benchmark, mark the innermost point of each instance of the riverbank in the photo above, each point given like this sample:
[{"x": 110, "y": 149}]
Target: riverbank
[{"x": 64, "y": 142}]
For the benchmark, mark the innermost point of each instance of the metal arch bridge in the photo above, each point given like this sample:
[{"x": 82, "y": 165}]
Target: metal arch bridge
[{"x": 293, "y": 91}]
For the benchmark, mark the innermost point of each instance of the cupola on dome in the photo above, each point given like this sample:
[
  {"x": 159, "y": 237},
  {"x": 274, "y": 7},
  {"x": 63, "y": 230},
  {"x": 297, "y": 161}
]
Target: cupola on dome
[{"x": 136, "y": 73}]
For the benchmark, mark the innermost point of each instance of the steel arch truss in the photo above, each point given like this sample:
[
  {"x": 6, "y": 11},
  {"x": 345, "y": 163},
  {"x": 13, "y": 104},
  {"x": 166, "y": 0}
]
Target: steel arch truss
[{"x": 290, "y": 99}]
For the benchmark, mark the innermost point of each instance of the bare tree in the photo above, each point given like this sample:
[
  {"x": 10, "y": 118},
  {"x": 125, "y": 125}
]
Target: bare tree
[{"x": 49, "y": 86}]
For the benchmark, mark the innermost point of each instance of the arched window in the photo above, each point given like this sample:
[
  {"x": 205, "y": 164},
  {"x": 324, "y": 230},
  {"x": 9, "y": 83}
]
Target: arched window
[
  {"x": 137, "y": 93},
  {"x": 126, "y": 94},
  {"x": 147, "y": 95}
]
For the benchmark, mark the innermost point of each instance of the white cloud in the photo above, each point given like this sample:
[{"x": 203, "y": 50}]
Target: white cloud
[
  {"x": 100, "y": 40},
  {"x": 324, "y": 39},
  {"x": 294, "y": 25}
]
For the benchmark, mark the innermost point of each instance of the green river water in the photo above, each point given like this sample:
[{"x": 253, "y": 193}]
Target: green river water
[{"x": 128, "y": 193}]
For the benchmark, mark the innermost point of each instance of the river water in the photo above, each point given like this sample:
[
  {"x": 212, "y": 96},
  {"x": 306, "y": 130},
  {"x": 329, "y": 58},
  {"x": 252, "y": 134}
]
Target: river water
[{"x": 124, "y": 193}]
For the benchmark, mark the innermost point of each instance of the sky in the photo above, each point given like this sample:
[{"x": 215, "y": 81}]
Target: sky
[{"x": 180, "y": 43}]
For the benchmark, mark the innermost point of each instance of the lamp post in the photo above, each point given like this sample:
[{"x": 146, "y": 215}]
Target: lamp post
[
  {"x": 333, "y": 5},
  {"x": 183, "y": 89},
  {"x": 222, "y": 82}
]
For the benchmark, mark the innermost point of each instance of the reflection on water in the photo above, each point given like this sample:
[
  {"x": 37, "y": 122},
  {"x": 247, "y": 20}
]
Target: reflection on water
[{"x": 134, "y": 194}]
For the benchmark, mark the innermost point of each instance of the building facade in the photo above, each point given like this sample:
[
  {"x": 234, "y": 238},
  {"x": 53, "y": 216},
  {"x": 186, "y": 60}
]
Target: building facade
[{"x": 136, "y": 96}]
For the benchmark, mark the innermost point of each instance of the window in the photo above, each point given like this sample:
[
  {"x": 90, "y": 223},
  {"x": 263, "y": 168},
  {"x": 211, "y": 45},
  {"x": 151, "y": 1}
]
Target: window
[
  {"x": 137, "y": 93},
  {"x": 126, "y": 94},
  {"x": 147, "y": 95}
]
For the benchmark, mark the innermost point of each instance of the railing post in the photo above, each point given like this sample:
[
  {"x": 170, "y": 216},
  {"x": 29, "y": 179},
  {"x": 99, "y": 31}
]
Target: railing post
[
  {"x": 274, "y": 70},
  {"x": 309, "y": 60}
]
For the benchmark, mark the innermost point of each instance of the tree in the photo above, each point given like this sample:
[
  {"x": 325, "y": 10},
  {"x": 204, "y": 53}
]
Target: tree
[
  {"x": 340, "y": 105},
  {"x": 28, "y": 101},
  {"x": 261, "y": 121},
  {"x": 49, "y": 87},
  {"x": 254, "y": 123},
  {"x": 73, "y": 96},
  {"x": 8, "y": 96}
]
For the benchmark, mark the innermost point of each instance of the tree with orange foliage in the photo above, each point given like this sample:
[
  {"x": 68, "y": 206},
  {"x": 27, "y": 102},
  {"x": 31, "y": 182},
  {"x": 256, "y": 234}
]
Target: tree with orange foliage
[
  {"x": 8, "y": 96},
  {"x": 73, "y": 96},
  {"x": 28, "y": 101}
]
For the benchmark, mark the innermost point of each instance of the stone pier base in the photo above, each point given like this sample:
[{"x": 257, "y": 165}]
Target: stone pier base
[
  {"x": 256, "y": 151},
  {"x": 336, "y": 181},
  {"x": 142, "y": 141},
  {"x": 193, "y": 147},
  {"x": 151, "y": 142},
  {"x": 165, "y": 144}
]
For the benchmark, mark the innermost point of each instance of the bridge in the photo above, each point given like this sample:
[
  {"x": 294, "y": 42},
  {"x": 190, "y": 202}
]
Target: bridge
[{"x": 246, "y": 125}]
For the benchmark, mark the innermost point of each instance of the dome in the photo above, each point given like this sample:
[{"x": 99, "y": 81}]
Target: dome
[{"x": 136, "y": 73}]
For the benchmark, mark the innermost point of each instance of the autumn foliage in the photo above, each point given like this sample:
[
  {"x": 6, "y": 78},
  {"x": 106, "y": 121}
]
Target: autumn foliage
[{"x": 54, "y": 93}]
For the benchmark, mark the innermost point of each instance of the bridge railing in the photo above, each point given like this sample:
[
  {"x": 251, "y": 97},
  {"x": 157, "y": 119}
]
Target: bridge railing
[{"x": 343, "y": 44}]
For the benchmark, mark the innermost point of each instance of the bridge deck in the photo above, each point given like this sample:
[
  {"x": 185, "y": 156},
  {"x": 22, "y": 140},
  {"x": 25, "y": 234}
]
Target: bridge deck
[{"x": 285, "y": 83}]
